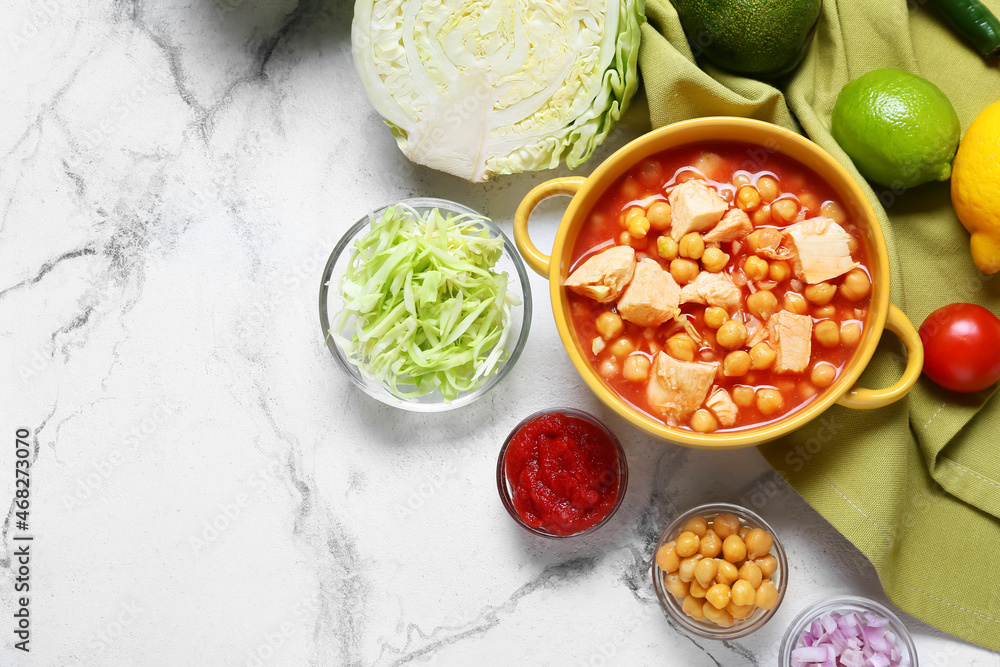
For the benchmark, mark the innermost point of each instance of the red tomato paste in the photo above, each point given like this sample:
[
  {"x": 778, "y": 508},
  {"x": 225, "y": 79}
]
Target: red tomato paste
[{"x": 563, "y": 473}]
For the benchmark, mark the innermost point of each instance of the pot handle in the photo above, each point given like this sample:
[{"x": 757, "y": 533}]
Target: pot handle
[
  {"x": 533, "y": 257},
  {"x": 864, "y": 399}
]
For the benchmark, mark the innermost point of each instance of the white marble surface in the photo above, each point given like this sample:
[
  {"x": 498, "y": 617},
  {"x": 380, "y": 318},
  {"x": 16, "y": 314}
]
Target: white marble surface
[{"x": 207, "y": 487}]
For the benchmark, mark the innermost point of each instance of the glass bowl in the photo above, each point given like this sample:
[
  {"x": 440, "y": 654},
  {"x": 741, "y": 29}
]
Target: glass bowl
[
  {"x": 504, "y": 486},
  {"x": 843, "y": 604},
  {"x": 330, "y": 303},
  {"x": 705, "y": 628}
]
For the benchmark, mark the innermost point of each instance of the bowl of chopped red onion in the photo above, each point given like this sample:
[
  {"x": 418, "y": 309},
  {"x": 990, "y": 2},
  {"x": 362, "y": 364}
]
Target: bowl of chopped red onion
[{"x": 847, "y": 631}]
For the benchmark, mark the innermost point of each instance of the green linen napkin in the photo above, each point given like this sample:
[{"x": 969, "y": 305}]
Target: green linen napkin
[{"x": 916, "y": 485}]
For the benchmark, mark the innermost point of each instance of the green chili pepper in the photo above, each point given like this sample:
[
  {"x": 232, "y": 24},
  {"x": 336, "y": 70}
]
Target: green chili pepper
[{"x": 974, "y": 21}]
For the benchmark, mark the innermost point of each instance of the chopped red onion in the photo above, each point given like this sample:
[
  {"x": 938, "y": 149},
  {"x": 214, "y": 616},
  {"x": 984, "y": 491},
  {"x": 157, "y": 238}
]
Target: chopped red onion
[{"x": 849, "y": 640}]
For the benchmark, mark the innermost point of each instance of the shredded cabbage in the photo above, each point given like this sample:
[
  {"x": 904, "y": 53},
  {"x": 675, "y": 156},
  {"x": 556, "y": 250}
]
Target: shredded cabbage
[
  {"x": 481, "y": 87},
  {"x": 423, "y": 309}
]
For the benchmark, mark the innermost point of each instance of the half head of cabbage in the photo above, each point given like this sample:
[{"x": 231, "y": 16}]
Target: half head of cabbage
[{"x": 482, "y": 87}]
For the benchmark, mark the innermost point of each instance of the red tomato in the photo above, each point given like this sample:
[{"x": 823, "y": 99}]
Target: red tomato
[{"x": 962, "y": 347}]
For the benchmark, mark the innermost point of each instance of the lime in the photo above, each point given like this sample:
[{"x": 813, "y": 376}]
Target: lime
[{"x": 899, "y": 128}]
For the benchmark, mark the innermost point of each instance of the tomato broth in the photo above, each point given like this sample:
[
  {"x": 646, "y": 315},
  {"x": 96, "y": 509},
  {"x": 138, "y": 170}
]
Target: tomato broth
[{"x": 754, "y": 181}]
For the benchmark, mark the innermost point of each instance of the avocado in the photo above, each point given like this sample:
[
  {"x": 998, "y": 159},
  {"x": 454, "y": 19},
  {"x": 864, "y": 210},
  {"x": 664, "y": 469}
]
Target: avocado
[{"x": 760, "y": 38}]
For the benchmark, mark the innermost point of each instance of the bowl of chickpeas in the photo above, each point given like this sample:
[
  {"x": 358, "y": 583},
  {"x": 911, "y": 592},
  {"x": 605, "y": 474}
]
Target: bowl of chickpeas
[
  {"x": 720, "y": 282},
  {"x": 719, "y": 571}
]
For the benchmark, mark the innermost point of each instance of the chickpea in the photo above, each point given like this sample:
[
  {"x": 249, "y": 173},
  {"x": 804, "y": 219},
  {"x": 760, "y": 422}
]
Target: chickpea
[
  {"x": 608, "y": 369},
  {"x": 736, "y": 364},
  {"x": 684, "y": 270},
  {"x": 682, "y": 347},
  {"x": 686, "y": 544},
  {"x": 727, "y": 573},
  {"x": 718, "y": 595},
  {"x": 694, "y": 608},
  {"x": 748, "y": 198},
  {"x": 696, "y": 590},
  {"x": 856, "y": 285},
  {"x": 850, "y": 333},
  {"x": 762, "y": 304},
  {"x": 761, "y": 216},
  {"x": 809, "y": 202},
  {"x": 739, "y": 613},
  {"x": 769, "y": 401},
  {"x": 632, "y": 213},
  {"x": 658, "y": 215},
  {"x": 768, "y": 188},
  {"x": 820, "y": 293},
  {"x": 768, "y": 565},
  {"x": 609, "y": 325},
  {"x": 627, "y": 239},
  {"x": 714, "y": 260},
  {"x": 672, "y": 582},
  {"x": 703, "y": 421},
  {"x": 733, "y": 549},
  {"x": 784, "y": 211},
  {"x": 651, "y": 172},
  {"x": 743, "y": 396},
  {"x": 743, "y": 594},
  {"x": 667, "y": 558},
  {"x": 795, "y": 303},
  {"x": 827, "y": 333},
  {"x": 636, "y": 368},
  {"x": 720, "y": 617},
  {"x": 622, "y": 347},
  {"x": 779, "y": 271},
  {"x": 743, "y": 532},
  {"x": 715, "y": 317},
  {"x": 741, "y": 178},
  {"x": 807, "y": 390},
  {"x": 823, "y": 374},
  {"x": 666, "y": 247},
  {"x": 630, "y": 188},
  {"x": 750, "y": 572},
  {"x": 732, "y": 335},
  {"x": 767, "y": 595},
  {"x": 834, "y": 211},
  {"x": 823, "y": 312},
  {"x": 768, "y": 237},
  {"x": 755, "y": 267},
  {"x": 726, "y": 524},
  {"x": 686, "y": 568},
  {"x": 711, "y": 545},
  {"x": 705, "y": 571},
  {"x": 692, "y": 245},
  {"x": 697, "y": 525},
  {"x": 638, "y": 227},
  {"x": 759, "y": 543},
  {"x": 762, "y": 357}
]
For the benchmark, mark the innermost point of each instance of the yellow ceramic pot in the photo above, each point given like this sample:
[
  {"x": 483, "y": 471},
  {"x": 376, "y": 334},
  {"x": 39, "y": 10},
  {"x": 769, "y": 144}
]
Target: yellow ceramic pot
[{"x": 767, "y": 139}]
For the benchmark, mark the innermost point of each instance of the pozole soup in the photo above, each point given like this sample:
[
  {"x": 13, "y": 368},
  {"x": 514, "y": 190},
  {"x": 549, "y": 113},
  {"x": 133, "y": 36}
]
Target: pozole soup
[{"x": 717, "y": 287}]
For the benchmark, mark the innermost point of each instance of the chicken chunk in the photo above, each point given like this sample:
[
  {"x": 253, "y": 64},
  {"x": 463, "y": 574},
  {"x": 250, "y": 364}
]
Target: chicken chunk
[
  {"x": 820, "y": 249},
  {"x": 604, "y": 276},
  {"x": 734, "y": 225},
  {"x": 722, "y": 407},
  {"x": 677, "y": 388},
  {"x": 652, "y": 296},
  {"x": 694, "y": 207},
  {"x": 791, "y": 337},
  {"x": 713, "y": 289}
]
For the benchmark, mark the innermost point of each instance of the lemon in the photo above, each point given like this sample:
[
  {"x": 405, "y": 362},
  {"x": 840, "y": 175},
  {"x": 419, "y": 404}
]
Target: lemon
[
  {"x": 898, "y": 128},
  {"x": 975, "y": 187}
]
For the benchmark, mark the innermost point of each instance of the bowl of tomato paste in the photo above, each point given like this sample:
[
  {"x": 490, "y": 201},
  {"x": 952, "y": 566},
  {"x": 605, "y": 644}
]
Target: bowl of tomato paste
[{"x": 561, "y": 473}]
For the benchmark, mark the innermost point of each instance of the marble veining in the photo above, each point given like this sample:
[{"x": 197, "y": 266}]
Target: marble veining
[{"x": 207, "y": 488}]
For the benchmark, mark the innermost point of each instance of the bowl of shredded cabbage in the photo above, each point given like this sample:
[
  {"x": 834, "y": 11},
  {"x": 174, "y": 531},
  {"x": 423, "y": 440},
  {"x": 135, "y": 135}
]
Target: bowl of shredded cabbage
[{"x": 425, "y": 304}]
